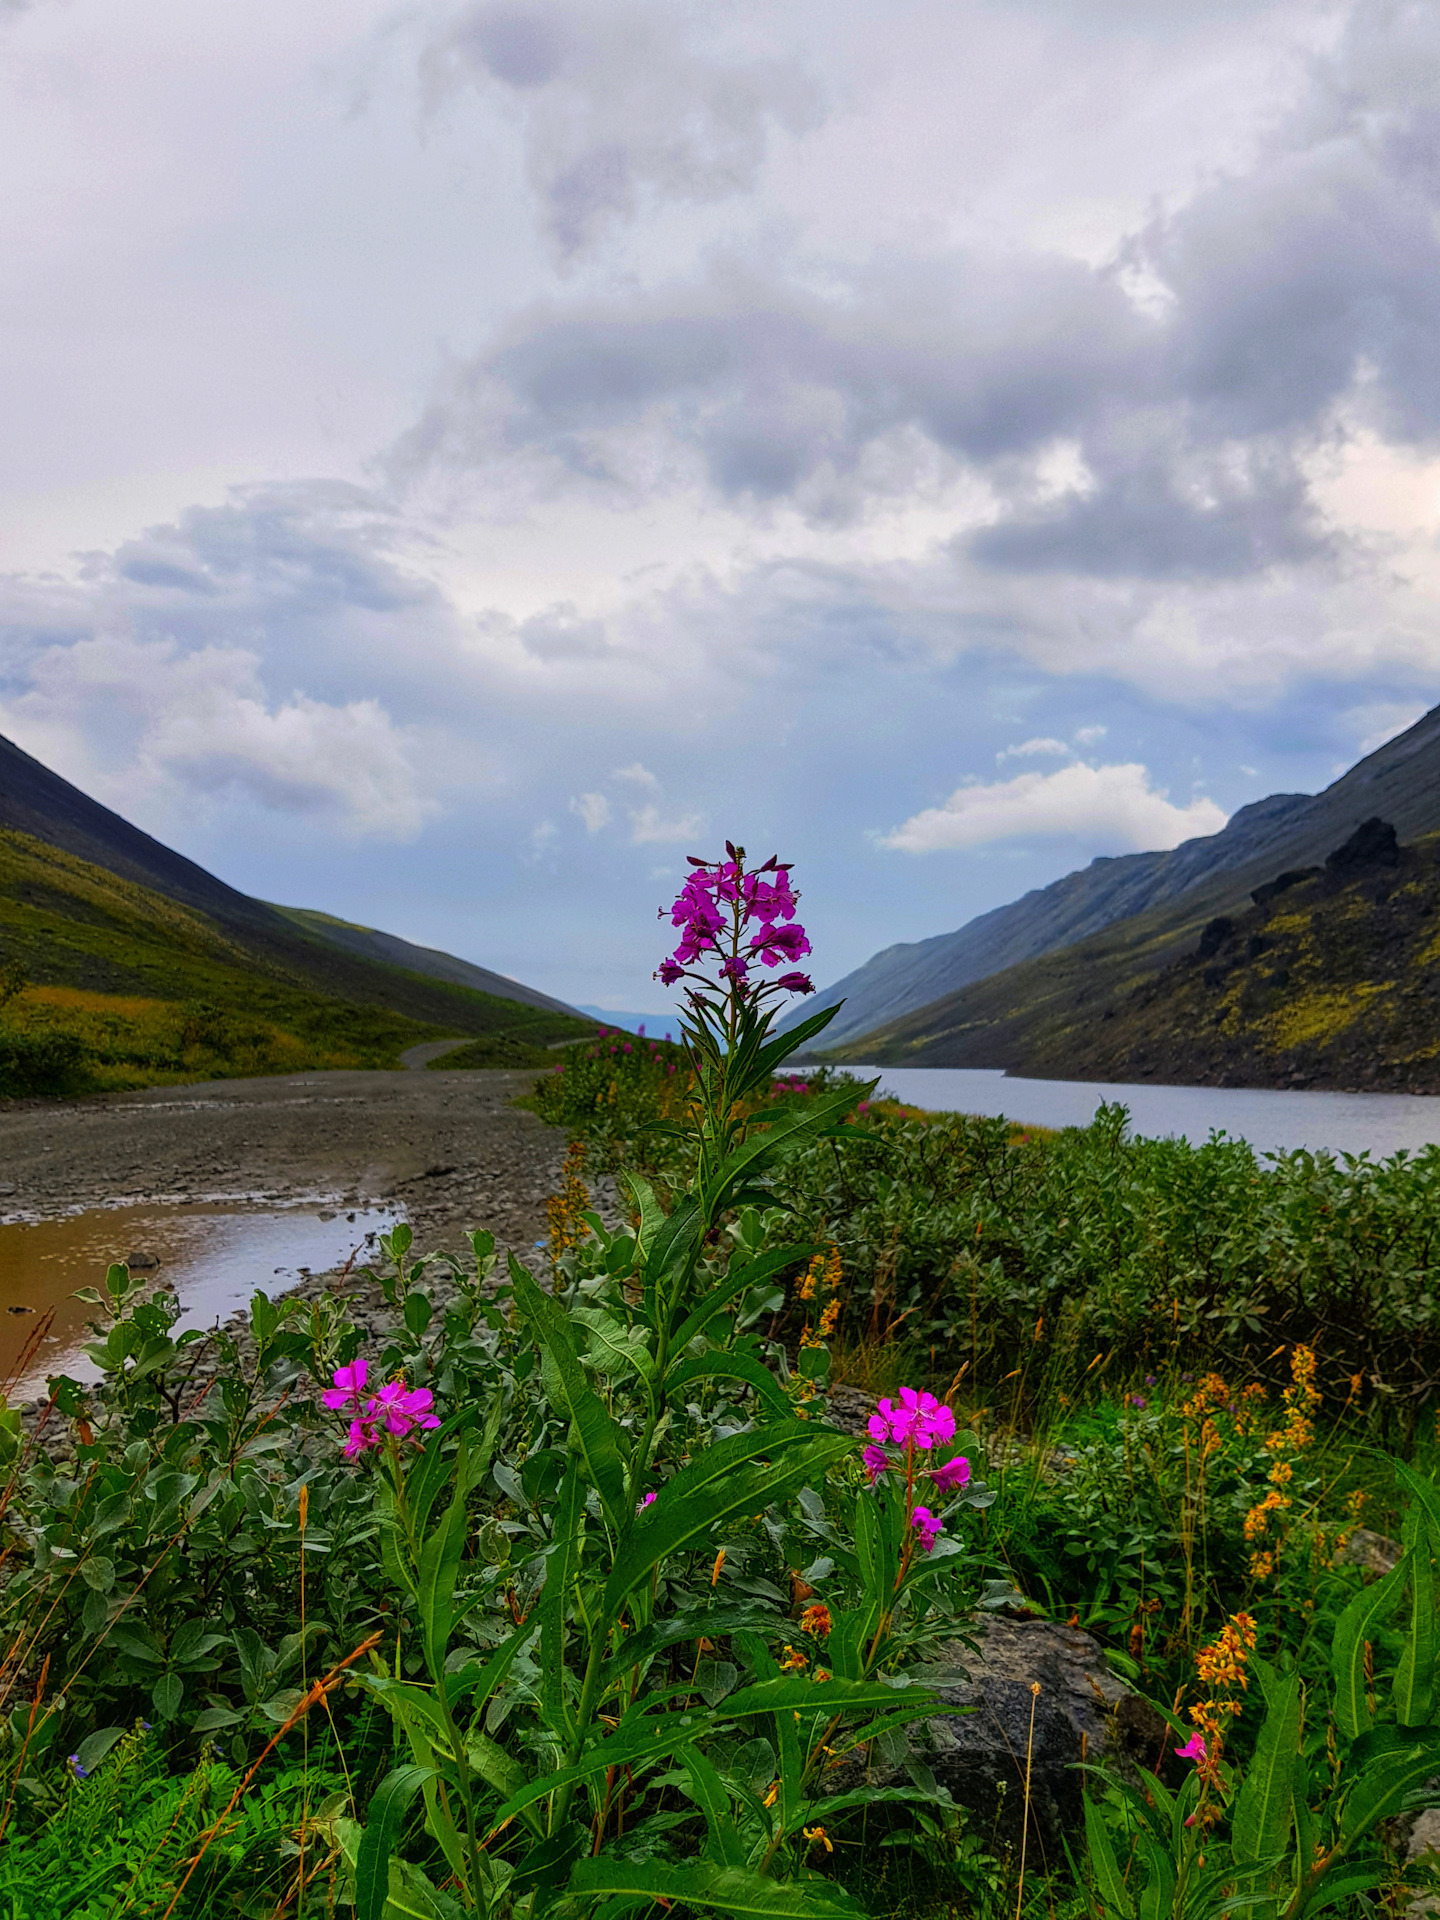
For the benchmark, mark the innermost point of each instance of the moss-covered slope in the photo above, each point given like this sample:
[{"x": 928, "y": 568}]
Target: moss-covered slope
[{"x": 146, "y": 989}]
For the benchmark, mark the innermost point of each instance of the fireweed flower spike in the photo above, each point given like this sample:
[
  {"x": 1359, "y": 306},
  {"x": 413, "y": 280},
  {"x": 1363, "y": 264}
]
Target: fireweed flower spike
[{"x": 877, "y": 1461}]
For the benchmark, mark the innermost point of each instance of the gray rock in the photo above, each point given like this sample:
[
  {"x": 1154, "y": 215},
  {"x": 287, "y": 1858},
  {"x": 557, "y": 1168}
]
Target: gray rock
[
  {"x": 978, "y": 1751},
  {"x": 1375, "y": 1552}
]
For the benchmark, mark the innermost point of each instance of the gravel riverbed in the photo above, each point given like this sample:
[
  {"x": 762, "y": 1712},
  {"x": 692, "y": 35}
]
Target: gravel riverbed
[{"x": 449, "y": 1149}]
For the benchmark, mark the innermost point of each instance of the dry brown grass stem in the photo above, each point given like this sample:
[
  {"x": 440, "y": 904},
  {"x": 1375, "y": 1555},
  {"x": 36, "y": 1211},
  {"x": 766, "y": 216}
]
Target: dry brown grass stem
[{"x": 1025, "y": 1826}]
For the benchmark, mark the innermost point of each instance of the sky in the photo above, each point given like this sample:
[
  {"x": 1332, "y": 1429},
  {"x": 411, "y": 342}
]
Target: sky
[{"x": 459, "y": 459}]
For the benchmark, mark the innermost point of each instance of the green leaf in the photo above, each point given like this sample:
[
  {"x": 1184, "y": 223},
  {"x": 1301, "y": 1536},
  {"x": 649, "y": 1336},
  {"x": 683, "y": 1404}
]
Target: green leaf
[
  {"x": 438, "y": 1570},
  {"x": 600, "y": 1437},
  {"x": 94, "y": 1747},
  {"x": 711, "y": 1623},
  {"x": 652, "y": 1214},
  {"x": 708, "y": 1791},
  {"x": 739, "y": 1279},
  {"x": 1415, "y": 1676},
  {"x": 389, "y": 1805},
  {"x": 1264, "y": 1807},
  {"x": 735, "y": 1892},
  {"x": 1359, "y": 1623},
  {"x": 728, "y": 1478},
  {"x": 733, "y": 1366},
  {"x": 762, "y": 1149},
  {"x": 168, "y": 1693},
  {"x": 1387, "y": 1780},
  {"x": 1107, "y": 1867}
]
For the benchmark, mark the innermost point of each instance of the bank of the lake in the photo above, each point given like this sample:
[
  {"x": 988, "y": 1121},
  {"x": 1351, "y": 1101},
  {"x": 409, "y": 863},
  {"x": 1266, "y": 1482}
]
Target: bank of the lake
[{"x": 1272, "y": 1122}]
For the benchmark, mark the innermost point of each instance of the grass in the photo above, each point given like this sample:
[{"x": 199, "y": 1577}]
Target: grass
[{"x": 137, "y": 990}]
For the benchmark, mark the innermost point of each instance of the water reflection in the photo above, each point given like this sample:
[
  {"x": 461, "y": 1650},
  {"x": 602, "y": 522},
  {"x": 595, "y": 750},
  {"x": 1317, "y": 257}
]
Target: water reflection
[
  {"x": 214, "y": 1257},
  {"x": 1273, "y": 1122}
]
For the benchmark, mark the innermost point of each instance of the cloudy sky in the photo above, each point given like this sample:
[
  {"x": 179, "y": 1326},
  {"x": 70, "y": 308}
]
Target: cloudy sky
[{"x": 460, "y": 458}]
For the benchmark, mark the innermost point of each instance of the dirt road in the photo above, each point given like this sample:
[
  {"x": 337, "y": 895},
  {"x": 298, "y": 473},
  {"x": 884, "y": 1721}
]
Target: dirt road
[{"x": 450, "y": 1148}]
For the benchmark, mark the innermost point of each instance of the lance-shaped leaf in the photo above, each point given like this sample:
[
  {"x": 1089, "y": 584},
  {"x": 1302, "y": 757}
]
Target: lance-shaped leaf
[
  {"x": 389, "y": 1805},
  {"x": 707, "y": 1790},
  {"x": 600, "y": 1438},
  {"x": 438, "y": 1570},
  {"x": 1358, "y": 1626},
  {"x": 763, "y": 1148},
  {"x": 1394, "y": 1763},
  {"x": 1414, "y": 1687},
  {"x": 710, "y": 1623},
  {"x": 735, "y": 1366},
  {"x": 1264, "y": 1807},
  {"x": 1107, "y": 1868},
  {"x": 732, "y": 1891},
  {"x": 739, "y": 1279},
  {"x": 742, "y": 1474}
]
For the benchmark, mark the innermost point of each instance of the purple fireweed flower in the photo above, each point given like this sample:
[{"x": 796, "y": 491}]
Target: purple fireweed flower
[
  {"x": 929, "y": 1527},
  {"x": 918, "y": 1420},
  {"x": 796, "y": 983},
  {"x": 1193, "y": 1749},
  {"x": 955, "y": 1473},
  {"x": 776, "y": 943},
  {"x": 736, "y": 969},
  {"x": 348, "y": 1387},
  {"x": 399, "y": 1408},
  {"x": 647, "y": 1501},
  {"x": 877, "y": 1461},
  {"x": 362, "y": 1434}
]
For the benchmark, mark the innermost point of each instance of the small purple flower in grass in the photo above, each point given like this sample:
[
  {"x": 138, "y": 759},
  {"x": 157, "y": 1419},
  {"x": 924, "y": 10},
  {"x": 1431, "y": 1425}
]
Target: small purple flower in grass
[
  {"x": 877, "y": 1461},
  {"x": 1193, "y": 1749},
  {"x": 648, "y": 1500},
  {"x": 954, "y": 1474},
  {"x": 77, "y": 1771},
  {"x": 1139, "y": 1400},
  {"x": 928, "y": 1527},
  {"x": 1150, "y": 1379}
]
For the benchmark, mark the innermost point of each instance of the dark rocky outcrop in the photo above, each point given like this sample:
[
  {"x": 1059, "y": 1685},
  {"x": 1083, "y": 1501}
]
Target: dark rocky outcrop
[{"x": 976, "y": 1749}]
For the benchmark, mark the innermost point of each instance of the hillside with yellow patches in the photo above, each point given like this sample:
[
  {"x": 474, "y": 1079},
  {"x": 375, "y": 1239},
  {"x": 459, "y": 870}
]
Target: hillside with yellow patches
[{"x": 1330, "y": 979}]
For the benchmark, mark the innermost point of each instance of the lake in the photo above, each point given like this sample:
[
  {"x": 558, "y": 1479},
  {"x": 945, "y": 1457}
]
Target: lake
[{"x": 1273, "y": 1122}]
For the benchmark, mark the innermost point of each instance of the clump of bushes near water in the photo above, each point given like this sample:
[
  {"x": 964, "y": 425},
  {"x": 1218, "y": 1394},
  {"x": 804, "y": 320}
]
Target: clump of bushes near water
[{"x": 569, "y": 1595}]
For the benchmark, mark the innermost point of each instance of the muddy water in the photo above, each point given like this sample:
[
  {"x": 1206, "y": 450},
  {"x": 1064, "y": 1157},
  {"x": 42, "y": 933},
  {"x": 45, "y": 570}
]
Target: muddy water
[{"x": 215, "y": 1257}]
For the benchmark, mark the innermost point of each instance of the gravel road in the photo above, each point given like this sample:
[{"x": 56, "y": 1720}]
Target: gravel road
[{"x": 449, "y": 1148}]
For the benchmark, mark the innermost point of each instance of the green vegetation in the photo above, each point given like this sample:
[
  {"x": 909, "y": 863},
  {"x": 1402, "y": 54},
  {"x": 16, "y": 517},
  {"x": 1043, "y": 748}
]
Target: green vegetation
[
  {"x": 576, "y": 1600},
  {"x": 112, "y": 985},
  {"x": 1329, "y": 982}
]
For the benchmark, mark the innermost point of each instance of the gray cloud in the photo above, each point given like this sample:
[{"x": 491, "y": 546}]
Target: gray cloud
[
  {"x": 625, "y": 101},
  {"x": 1307, "y": 282}
]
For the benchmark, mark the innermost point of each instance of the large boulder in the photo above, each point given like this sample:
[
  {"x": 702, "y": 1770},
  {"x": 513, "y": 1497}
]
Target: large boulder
[{"x": 977, "y": 1747}]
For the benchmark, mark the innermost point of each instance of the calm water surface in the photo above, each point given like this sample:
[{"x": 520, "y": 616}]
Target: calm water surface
[
  {"x": 214, "y": 1256},
  {"x": 1374, "y": 1123}
]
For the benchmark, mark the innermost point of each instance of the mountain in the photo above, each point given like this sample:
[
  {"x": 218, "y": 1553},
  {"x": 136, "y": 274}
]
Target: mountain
[
  {"x": 1326, "y": 976},
  {"x": 391, "y": 951},
  {"x": 35, "y": 801},
  {"x": 124, "y": 964},
  {"x": 1400, "y": 782}
]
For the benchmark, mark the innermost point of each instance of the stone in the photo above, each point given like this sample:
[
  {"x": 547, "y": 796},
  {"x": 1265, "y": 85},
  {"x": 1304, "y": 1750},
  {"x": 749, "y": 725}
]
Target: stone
[
  {"x": 1372, "y": 1552},
  {"x": 977, "y": 1750}
]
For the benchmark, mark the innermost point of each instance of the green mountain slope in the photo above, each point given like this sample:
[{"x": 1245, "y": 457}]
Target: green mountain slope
[
  {"x": 1329, "y": 978},
  {"x": 128, "y": 986}
]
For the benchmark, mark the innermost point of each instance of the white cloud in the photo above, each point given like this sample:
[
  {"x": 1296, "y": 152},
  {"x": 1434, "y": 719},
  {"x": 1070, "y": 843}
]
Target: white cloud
[
  {"x": 647, "y": 826},
  {"x": 639, "y": 776},
  {"x": 1115, "y": 806},
  {"x": 1030, "y": 749},
  {"x": 1380, "y": 721},
  {"x": 593, "y": 809},
  {"x": 201, "y": 722},
  {"x": 1087, "y": 736}
]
